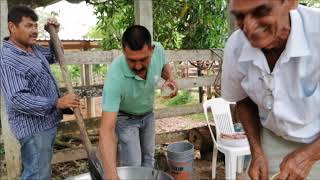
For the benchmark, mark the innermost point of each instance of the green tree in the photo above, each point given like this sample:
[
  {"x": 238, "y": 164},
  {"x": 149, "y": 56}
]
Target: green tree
[
  {"x": 186, "y": 24},
  {"x": 113, "y": 18},
  {"x": 311, "y": 3}
]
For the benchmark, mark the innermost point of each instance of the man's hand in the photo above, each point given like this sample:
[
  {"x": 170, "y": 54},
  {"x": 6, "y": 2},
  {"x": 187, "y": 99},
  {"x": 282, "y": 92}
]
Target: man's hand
[
  {"x": 170, "y": 83},
  {"x": 296, "y": 165},
  {"x": 68, "y": 101},
  {"x": 258, "y": 169},
  {"x": 52, "y": 21}
]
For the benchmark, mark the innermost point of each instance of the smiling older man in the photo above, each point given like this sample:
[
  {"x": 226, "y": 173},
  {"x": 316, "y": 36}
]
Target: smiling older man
[{"x": 269, "y": 70}]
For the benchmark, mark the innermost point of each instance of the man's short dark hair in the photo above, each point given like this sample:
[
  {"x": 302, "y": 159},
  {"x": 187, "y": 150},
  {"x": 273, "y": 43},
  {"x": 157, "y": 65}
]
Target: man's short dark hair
[
  {"x": 135, "y": 37},
  {"x": 17, "y": 12}
]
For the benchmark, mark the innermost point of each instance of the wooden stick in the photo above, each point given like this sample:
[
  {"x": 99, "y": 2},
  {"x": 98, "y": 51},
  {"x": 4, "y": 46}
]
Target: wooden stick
[
  {"x": 58, "y": 50},
  {"x": 95, "y": 167}
]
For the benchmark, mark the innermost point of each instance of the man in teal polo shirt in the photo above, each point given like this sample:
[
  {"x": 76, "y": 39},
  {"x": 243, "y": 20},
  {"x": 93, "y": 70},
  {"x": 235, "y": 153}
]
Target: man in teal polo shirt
[{"x": 128, "y": 98}]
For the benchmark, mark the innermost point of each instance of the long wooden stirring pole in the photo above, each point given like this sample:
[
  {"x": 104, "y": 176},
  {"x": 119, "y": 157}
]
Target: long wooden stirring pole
[{"x": 94, "y": 162}]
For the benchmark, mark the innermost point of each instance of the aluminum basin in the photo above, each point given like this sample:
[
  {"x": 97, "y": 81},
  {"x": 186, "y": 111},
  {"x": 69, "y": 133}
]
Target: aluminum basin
[{"x": 132, "y": 173}]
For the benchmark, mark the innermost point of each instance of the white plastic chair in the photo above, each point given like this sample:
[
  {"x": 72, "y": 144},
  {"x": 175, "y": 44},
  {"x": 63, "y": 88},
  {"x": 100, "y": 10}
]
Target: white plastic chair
[{"x": 223, "y": 124}]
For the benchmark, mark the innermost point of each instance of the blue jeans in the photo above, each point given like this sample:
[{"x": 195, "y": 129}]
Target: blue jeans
[
  {"x": 136, "y": 136},
  {"x": 36, "y": 154}
]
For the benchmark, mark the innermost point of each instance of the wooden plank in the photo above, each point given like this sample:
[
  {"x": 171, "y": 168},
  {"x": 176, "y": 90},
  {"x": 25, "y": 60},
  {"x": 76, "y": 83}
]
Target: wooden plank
[
  {"x": 73, "y": 45},
  {"x": 186, "y": 83},
  {"x": 169, "y": 137},
  {"x": 194, "y": 55},
  {"x": 69, "y": 154},
  {"x": 71, "y": 127},
  {"x": 72, "y": 154},
  {"x": 86, "y": 91},
  {"x": 178, "y": 111},
  {"x": 91, "y": 57},
  {"x": 106, "y": 57},
  {"x": 183, "y": 83}
]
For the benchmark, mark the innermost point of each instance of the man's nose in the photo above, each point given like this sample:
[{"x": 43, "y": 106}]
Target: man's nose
[
  {"x": 35, "y": 29},
  {"x": 249, "y": 24}
]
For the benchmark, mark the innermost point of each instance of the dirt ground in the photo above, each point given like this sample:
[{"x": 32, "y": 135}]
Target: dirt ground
[{"x": 177, "y": 123}]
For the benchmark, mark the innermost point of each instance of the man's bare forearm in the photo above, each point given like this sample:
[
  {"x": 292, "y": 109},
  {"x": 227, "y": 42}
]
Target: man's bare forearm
[
  {"x": 108, "y": 143},
  {"x": 249, "y": 116},
  {"x": 314, "y": 149},
  {"x": 167, "y": 72}
]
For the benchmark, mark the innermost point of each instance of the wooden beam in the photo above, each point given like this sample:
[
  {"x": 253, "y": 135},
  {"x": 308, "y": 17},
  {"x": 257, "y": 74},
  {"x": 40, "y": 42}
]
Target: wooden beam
[
  {"x": 106, "y": 57},
  {"x": 86, "y": 91},
  {"x": 73, "y": 45},
  {"x": 69, "y": 154},
  {"x": 143, "y": 14},
  {"x": 183, "y": 83},
  {"x": 71, "y": 127},
  {"x": 178, "y": 111}
]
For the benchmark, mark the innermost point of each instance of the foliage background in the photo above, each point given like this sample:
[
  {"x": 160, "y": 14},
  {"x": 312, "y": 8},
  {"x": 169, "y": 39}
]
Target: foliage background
[{"x": 178, "y": 24}]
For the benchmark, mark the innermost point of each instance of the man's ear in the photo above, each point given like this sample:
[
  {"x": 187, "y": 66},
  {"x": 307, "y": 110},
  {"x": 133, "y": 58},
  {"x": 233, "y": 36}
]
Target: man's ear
[
  {"x": 292, "y": 4},
  {"x": 151, "y": 47},
  {"x": 12, "y": 27}
]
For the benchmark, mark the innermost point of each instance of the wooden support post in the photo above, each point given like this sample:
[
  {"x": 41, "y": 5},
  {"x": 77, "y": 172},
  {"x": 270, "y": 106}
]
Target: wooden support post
[
  {"x": 11, "y": 145},
  {"x": 143, "y": 14},
  {"x": 88, "y": 81}
]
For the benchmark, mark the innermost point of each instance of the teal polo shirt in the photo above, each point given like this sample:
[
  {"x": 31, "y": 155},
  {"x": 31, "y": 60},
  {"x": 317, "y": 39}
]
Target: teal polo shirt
[{"x": 125, "y": 91}]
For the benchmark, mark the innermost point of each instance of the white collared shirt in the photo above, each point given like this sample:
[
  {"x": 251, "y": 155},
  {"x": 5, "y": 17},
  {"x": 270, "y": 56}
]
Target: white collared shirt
[{"x": 288, "y": 98}]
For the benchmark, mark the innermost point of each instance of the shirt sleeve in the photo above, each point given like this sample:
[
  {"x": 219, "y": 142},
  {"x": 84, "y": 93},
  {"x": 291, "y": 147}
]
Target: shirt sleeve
[
  {"x": 231, "y": 89},
  {"x": 19, "y": 96},
  {"x": 111, "y": 95},
  {"x": 48, "y": 53}
]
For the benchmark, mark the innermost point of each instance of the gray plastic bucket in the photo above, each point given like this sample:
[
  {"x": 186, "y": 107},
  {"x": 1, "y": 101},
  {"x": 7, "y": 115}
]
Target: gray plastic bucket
[{"x": 180, "y": 160}]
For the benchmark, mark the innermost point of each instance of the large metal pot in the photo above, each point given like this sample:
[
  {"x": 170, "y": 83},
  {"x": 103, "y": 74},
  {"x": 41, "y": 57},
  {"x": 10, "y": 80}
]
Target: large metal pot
[
  {"x": 142, "y": 173},
  {"x": 132, "y": 173}
]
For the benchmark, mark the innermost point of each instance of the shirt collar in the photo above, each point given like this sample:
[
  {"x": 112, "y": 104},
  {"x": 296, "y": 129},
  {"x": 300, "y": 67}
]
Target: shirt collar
[
  {"x": 296, "y": 46},
  {"x": 10, "y": 45}
]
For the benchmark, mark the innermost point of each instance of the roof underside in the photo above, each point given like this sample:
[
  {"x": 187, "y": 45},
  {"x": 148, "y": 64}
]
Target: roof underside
[{"x": 37, "y": 3}]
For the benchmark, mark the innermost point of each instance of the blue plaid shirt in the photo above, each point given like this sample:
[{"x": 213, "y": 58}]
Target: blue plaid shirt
[{"x": 29, "y": 88}]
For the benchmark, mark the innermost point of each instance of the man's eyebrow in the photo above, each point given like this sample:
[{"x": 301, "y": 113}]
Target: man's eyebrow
[
  {"x": 263, "y": 7},
  {"x": 259, "y": 8},
  {"x": 141, "y": 59}
]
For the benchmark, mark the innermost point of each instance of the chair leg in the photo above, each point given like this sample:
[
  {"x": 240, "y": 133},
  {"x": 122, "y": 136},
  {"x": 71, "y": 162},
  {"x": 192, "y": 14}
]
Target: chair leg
[
  {"x": 240, "y": 163},
  {"x": 231, "y": 165},
  {"x": 214, "y": 162}
]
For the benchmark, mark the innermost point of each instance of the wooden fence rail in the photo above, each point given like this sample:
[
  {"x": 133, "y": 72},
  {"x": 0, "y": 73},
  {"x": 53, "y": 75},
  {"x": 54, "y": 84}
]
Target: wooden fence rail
[{"x": 106, "y": 57}]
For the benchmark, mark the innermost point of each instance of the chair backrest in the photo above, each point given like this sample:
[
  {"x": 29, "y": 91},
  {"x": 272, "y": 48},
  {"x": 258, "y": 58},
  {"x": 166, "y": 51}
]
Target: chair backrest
[{"x": 221, "y": 116}]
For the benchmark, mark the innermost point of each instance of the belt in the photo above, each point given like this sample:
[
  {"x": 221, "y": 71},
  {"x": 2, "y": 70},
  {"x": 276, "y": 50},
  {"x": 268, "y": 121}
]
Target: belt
[{"x": 122, "y": 113}]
